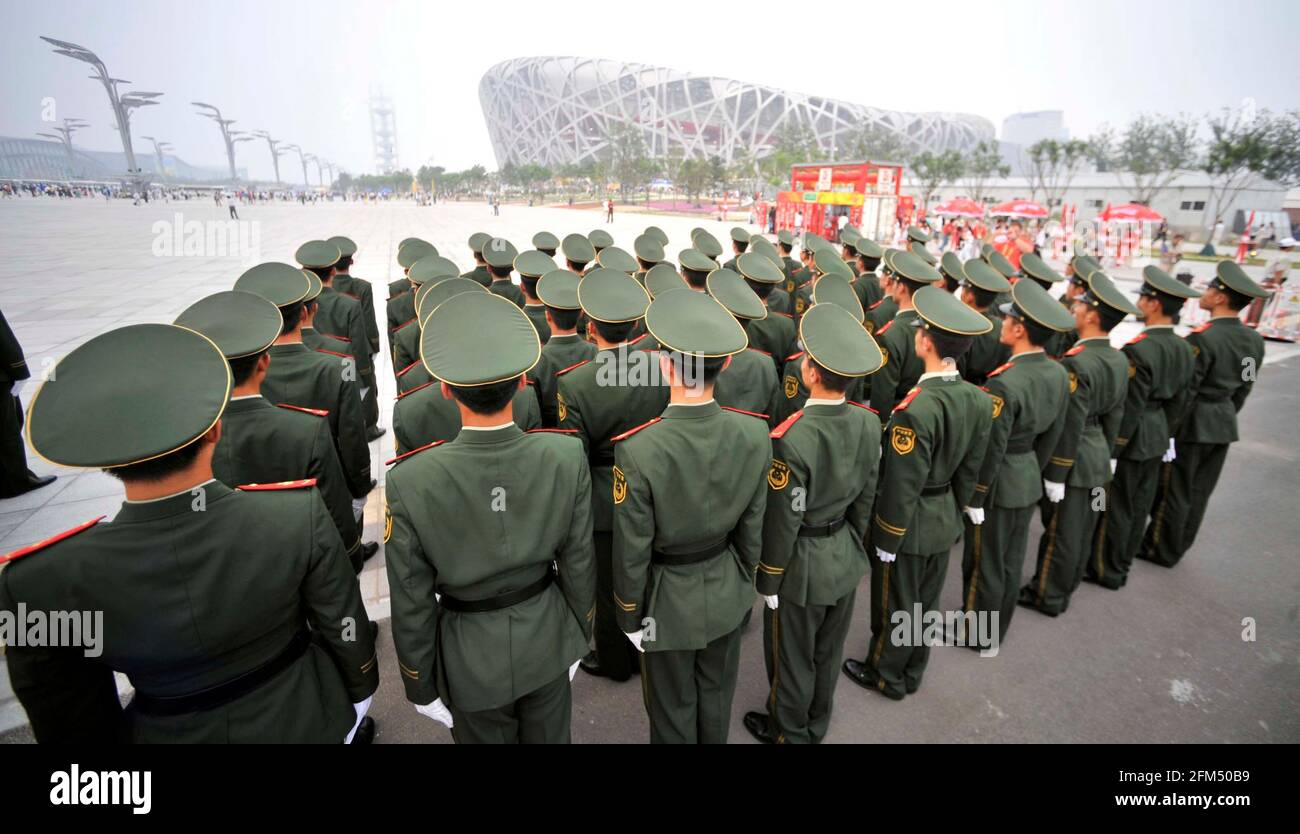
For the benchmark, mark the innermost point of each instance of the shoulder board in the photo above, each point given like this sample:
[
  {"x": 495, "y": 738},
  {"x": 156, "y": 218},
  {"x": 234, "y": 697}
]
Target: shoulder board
[
  {"x": 403, "y": 324},
  {"x": 408, "y": 367},
  {"x": 742, "y": 411},
  {"x": 780, "y": 430},
  {"x": 625, "y": 435},
  {"x": 553, "y": 431},
  {"x": 305, "y": 483},
  {"x": 41, "y": 545},
  {"x": 756, "y": 350},
  {"x": 882, "y": 331},
  {"x": 786, "y": 315},
  {"x": 864, "y": 405},
  {"x": 319, "y": 412},
  {"x": 528, "y": 380},
  {"x": 911, "y": 395},
  {"x": 333, "y": 353},
  {"x": 416, "y": 388},
  {"x": 999, "y": 369},
  {"x": 571, "y": 367},
  {"x": 1203, "y": 327},
  {"x": 1139, "y": 337},
  {"x": 794, "y": 356},
  {"x": 403, "y": 457},
  {"x": 638, "y": 338},
  {"x": 877, "y": 304},
  {"x": 1076, "y": 349}
]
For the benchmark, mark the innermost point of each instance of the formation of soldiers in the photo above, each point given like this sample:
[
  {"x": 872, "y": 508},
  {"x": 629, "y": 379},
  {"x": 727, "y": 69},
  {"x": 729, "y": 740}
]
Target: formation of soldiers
[{"x": 601, "y": 466}]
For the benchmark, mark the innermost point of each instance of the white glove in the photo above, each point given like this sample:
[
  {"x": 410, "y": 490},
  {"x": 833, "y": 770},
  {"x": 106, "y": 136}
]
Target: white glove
[
  {"x": 1171, "y": 454},
  {"x": 635, "y": 637},
  {"x": 771, "y": 601},
  {"x": 1055, "y": 492},
  {"x": 885, "y": 557},
  {"x": 1113, "y": 465},
  {"x": 437, "y": 712},
  {"x": 573, "y": 670},
  {"x": 975, "y": 514},
  {"x": 361, "y": 709}
]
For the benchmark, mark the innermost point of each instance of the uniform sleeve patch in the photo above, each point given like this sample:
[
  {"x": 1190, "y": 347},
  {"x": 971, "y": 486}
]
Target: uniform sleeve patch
[
  {"x": 620, "y": 486},
  {"x": 902, "y": 439},
  {"x": 778, "y": 475}
]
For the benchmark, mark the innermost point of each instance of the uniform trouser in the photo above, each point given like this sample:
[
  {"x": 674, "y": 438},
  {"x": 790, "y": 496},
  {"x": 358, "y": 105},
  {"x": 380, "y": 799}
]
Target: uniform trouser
[
  {"x": 370, "y": 401},
  {"x": 1129, "y": 498},
  {"x": 615, "y": 653},
  {"x": 540, "y": 717},
  {"x": 14, "y": 476},
  {"x": 993, "y": 557},
  {"x": 1062, "y": 550},
  {"x": 898, "y": 586},
  {"x": 688, "y": 692},
  {"x": 1184, "y": 491},
  {"x": 803, "y": 647}
]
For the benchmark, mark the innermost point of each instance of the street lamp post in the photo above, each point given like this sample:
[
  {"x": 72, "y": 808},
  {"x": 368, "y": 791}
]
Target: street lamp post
[
  {"x": 302, "y": 157},
  {"x": 230, "y": 137},
  {"x": 122, "y": 105},
  {"x": 315, "y": 159},
  {"x": 64, "y": 135},
  {"x": 275, "y": 151},
  {"x": 158, "y": 149}
]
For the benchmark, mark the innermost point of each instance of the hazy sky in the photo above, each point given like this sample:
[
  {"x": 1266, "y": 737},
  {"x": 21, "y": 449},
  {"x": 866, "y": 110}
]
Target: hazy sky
[{"x": 303, "y": 70}]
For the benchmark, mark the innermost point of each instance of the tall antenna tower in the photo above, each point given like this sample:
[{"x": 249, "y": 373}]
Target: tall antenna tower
[{"x": 383, "y": 131}]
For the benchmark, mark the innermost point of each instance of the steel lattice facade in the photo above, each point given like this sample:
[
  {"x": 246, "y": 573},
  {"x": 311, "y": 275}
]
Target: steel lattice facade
[{"x": 558, "y": 110}]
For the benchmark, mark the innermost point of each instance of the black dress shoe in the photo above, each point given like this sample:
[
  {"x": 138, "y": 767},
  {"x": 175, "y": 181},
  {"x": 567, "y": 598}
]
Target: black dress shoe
[
  {"x": 368, "y": 550},
  {"x": 865, "y": 677},
  {"x": 759, "y": 726},
  {"x": 374, "y": 631},
  {"x": 30, "y": 483},
  {"x": 365, "y": 733},
  {"x": 375, "y": 432},
  {"x": 591, "y": 665},
  {"x": 1030, "y": 600}
]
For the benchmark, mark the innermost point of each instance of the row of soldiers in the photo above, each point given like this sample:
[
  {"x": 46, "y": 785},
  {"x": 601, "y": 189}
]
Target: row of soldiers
[{"x": 619, "y": 453}]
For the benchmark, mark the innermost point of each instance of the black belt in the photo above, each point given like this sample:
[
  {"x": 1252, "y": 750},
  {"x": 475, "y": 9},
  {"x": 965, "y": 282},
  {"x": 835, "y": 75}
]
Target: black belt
[
  {"x": 689, "y": 557},
  {"x": 1019, "y": 447},
  {"x": 223, "y": 693},
  {"x": 936, "y": 489},
  {"x": 496, "y": 603},
  {"x": 817, "y": 531},
  {"x": 1091, "y": 420},
  {"x": 601, "y": 457}
]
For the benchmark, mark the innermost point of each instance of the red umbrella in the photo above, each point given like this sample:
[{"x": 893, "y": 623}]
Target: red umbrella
[
  {"x": 1019, "y": 208},
  {"x": 960, "y": 207},
  {"x": 1132, "y": 212}
]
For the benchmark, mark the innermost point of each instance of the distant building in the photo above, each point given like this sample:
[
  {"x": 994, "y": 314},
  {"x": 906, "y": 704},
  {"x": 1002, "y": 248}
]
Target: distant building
[
  {"x": 40, "y": 159},
  {"x": 1025, "y": 129}
]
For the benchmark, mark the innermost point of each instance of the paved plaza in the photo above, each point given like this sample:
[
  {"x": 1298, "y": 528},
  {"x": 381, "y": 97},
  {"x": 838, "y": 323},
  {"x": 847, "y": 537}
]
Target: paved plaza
[{"x": 1163, "y": 660}]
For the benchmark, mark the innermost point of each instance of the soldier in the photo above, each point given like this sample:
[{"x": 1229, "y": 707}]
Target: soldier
[
  {"x": 401, "y": 301},
  {"x": 828, "y": 289},
  {"x": 600, "y": 239},
  {"x": 1081, "y": 466},
  {"x": 897, "y": 340},
  {"x": 739, "y": 244},
  {"x": 883, "y": 311},
  {"x": 658, "y": 234},
  {"x": 428, "y": 271},
  {"x": 546, "y": 243},
  {"x": 15, "y": 478},
  {"x": 649, "y": 252},
  {"x": 1228, "y": 358},
  {"x": 341, "y": 316},
  {"x": 849, "y": 237},
  {"x": 696, "y": 267},
  {"x": 357, "y": 288},
  {"x": 531, "y": 266},
  {"x": 821, "y": 486},
  {"x": 689, "y": 496},
  {"x": 232, "y": 612},
  {"x": 578, "y": 252},
  {"x": 937, "y": 437},
  {"x": 1030, "y": 394},
  {"x": 304, "y": 378},
  {"x": 774, "y": 334},
  {"x": 421, "y": 248},
  {"x": 558, "y": 290},
  {"x": 262, "y": 444},
  {"x": 981, "y": 285},
  {"x": 867, "y": 284},
  {"x": 480, "y": 271},
  {"x": 1036, "y": 268},
  {"x": 785, "y": 242},
  {"x": 488, "y": 543},
  {"x": 1159, "y": 390},
  {"x": 599, "y": 399},
  {"x": 663, "y": 278},
  {"x": 950, "y": 270},
  {"x": 777, "y": 300},
  {"x": 708, "y": 245},
  {"x": 500, "y": 254},
  {"x": 747, "y": 382}
]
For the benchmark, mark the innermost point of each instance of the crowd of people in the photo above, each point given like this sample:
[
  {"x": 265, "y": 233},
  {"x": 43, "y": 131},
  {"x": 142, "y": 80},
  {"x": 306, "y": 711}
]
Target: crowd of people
[{"x": 607, "y": 458}]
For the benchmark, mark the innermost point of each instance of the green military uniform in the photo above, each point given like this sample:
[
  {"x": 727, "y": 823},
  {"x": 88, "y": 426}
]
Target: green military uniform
[
  {"x": 1228, "y": 355},
  {"x": 547, "y": 243},
  {"x": 241, "y": 623},
  {"x": 405, "y": 340},
  {"x": 489, "y": 548},
  {"x": 1030, "y": 394},
  {"x": 262, "y": 444},
  {"x": 749, "y": 382},
  {"x": 897, "y": 340},
  {"x": 829, "y": 289},
  {"x": 1036, "y": 268},
  {"x": 499, "y": 254},
  {"x": 479, "y": 273},
  {"x": 936, "y": 438},
  {"x": 774, "y": 334},
  {"x": 531, "y": 266},
  {"x": 600, "y": 400},
  {"x": 866, "y": 283},
  {"x": 360, "y": 289},
  {"x": 1098, "y": 385},
  {"x": 400, "y": 307},
  {"x": 423, "y": 415},
  {"x": 688, "y": 499},
  {"x": 821, "y": 486},
  {"x": 558, "y": 290},
  {"x": 1160, "y": 379},
  {"x": 986, "y": 351}
]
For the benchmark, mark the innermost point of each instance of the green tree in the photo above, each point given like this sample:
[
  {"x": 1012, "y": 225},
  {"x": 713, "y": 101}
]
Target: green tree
[
  {"x": 745, "y": 170},
  {"x": 695, "y": 176},
  {"x": 982, "y": 163},
  {"x": 1237, "y": 152},
  {"x": 626, "y": 155},
  {"x": 794, "y": 144},
  {"x": 671, "y": 165},
  {"x": 1052, "y": 165},
  {"x": 935, "y": 170},
  {"x": 1152, "y": 152},
  {"x": 875, "y": 142},
  {"x": 1283, "y": 164}
]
